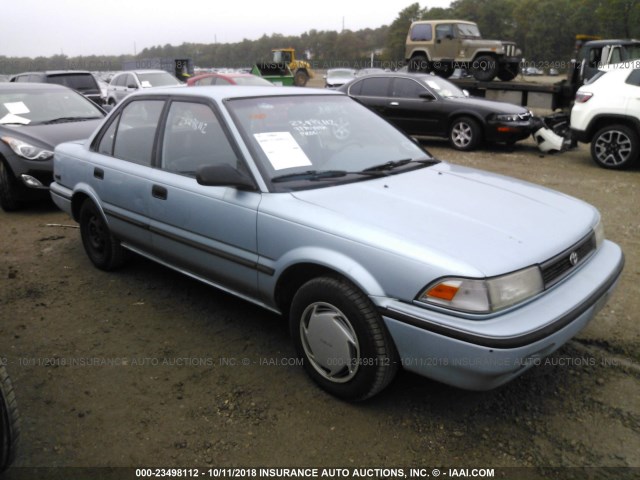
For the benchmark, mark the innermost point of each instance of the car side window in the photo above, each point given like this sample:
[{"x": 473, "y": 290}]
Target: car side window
[
  {"x": 444, "y": 30},
  {"x": 406, "y": 88},
  {"x": 193, "y": 138},
  {"x": 136, "y": 131},
  {"x": 223, "y": 81},
  {"x": 421, "y": 33},
  {"x": 634, "y": 78},
  {"x": 375, "y": 87}
]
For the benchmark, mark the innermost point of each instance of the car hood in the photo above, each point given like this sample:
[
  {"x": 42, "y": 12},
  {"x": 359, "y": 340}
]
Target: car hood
[
  {"x": 482, "y": 223},
  {"x": 489, "y": 106},
  {"x": 49, "y": 136}
]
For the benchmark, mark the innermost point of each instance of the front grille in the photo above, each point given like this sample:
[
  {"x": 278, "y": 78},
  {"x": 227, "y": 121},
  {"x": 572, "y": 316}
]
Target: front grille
[
  {"x": 509, "y": 49},
  {"x": 560, "y": 266}
]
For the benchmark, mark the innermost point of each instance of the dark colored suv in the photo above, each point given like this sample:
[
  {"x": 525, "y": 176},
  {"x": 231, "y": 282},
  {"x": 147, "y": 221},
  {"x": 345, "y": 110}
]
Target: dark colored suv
[{"x": 82, "y": 81}]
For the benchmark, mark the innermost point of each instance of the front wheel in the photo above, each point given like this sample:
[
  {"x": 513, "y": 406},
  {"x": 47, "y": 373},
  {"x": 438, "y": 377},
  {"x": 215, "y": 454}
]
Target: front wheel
[
  {"x": 8, "y": 189},
  {"x": 102, "y": 248},
  {"x": 508, "y": 71},
  {"x": 342, "y": 339},
  {"x": 485, "y": 68},
  {"x": 616, "y": 147},
  {"x": 464, "y": 134}
]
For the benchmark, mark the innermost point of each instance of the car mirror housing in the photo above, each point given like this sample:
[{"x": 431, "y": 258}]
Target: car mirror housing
[{"x": 224, "y": 176}]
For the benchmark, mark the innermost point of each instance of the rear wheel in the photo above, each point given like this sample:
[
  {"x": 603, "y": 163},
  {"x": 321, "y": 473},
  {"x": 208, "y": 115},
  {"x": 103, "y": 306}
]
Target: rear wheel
[
  {"x": 9, "y": 421},
  {"x": 465, "y": 134},
  {"x": 102, "y": 248},
  {"x": 342, "y": 339},
  {"x": 444, "y": 70},
  {"x": 301, "y": 78},
  {"x": 615, "y": 147}
]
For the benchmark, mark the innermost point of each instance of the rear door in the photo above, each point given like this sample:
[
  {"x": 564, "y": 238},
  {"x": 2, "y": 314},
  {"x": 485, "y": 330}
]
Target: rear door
[{"x": 121, "y": 166}]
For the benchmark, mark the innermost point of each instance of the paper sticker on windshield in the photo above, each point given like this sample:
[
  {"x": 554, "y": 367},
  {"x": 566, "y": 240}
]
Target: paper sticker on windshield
[
  {"x": 11, "y": 118},
  {"x": 282, "y": 150},
  {"x": 433, "y": 84},
  {"x": 17, "y": 108},
  {"x": 145, "y": 84}
]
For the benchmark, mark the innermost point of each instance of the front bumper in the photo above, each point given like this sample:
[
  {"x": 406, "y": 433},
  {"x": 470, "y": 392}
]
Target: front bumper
[
  {"x": 484, "y": 354},
  {"x": 500, "y": 131}
]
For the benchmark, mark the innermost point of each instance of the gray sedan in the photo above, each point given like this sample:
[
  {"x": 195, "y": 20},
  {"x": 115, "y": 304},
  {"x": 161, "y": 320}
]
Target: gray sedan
[{"x": 308, "y": 204}]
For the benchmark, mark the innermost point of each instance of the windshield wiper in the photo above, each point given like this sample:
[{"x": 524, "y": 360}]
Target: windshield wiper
[
  {"x": 314, "y": 175},
  {"x": 399, "y": 163},
  {"x": 68, "y": 119}
]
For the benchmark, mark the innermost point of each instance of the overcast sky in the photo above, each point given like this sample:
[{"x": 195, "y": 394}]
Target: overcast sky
[{"x": 32, "y": 28}]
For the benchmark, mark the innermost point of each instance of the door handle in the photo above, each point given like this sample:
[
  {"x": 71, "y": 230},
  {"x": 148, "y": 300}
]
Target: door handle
[
  {"x": 159, "y": 192},
  {"x": 394, "y": 104},
  {"x": 98, "y": 173}
]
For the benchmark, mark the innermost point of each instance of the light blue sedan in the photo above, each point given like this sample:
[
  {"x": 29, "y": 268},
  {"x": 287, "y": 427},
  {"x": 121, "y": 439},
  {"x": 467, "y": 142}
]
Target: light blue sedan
[{"x": 308, "y": 204}]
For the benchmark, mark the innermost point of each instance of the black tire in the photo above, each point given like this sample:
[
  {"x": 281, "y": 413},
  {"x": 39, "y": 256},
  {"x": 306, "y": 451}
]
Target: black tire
[
  {"x": 444, "y": 70},
  {"x": 419, "y": 63},
  {"x": 615, "y": 147},
  {"x": 485, "y": 68},
  {"x": 102, "y": 248},
  {"x": 9, "y": 189},
  {"x": 465, "y": 134},
  {"x": 10, "y": 418},
  {"x": 301, "y": 78},
  {"x": 341, "y": 338},
  {"x": 508, "y": 71}
]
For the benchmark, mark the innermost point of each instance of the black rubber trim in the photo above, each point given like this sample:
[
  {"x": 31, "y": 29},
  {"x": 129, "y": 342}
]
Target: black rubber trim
[
  {"x": 509, "y": 342},
  {"x": 197, "y": 245}
]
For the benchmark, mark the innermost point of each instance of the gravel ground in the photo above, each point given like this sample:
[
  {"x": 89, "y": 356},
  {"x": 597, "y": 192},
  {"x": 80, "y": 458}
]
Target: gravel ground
[{"x": 145, "y": 368}]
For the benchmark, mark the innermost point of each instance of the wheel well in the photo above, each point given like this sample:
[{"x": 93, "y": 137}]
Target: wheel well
[
  {"x": 293, "y": 278},
  {"x": 601, "y": 122},
  {"x": 457, "y": 116},
  {"x": 76, "y": 204}
]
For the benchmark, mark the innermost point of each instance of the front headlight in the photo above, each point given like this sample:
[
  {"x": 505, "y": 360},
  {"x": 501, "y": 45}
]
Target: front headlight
[
  {"x": 484, "y": 295},
  {"x": 499, "y": 117},
  {"x": 26, "y": 150}
]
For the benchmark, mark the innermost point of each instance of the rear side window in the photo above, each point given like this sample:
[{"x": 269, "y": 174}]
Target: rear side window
[
  {"x": 136, "y": 132},
  {"x": 421, "y": 33},
  {"x": 375, "y": 87},
  {"x": 80, "y": 82}
]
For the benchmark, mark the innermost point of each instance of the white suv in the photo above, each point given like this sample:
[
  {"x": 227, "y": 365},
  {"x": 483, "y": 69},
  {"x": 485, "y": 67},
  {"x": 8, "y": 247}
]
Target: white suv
[{"x": 607, "y": 114}]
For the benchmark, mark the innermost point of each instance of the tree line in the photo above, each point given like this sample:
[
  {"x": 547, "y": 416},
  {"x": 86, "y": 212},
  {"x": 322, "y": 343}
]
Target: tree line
[{"x": 544, "y": 30}]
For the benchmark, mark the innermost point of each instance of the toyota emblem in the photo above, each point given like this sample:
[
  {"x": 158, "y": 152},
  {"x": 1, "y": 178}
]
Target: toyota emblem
[{"x": 573, "y": 258}]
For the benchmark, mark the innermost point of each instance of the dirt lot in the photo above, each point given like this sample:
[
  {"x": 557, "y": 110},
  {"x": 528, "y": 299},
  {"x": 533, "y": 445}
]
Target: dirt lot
[{"x": 146, "y": 368}]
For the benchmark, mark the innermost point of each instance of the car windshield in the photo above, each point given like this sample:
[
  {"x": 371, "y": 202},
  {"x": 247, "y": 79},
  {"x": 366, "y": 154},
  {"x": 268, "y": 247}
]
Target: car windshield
[
  {"x": 157, "y": 79},
  {"x": 309, "y": 141},
  {"x": 443, "y": 88},
  {"x": 468, "y": 31},
  {"x": 29, "y": 107}
]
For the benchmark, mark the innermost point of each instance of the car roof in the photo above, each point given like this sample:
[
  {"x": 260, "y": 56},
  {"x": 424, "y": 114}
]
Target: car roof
[
  {"x": 32, "y": 86},
  {"x": 142, "y": 70},
  {"x": 603, "y": 43},
  {"x": 54, "y": 72},
  {"x": 221, "y": 93},
  {"x": 446, "y": 21}
]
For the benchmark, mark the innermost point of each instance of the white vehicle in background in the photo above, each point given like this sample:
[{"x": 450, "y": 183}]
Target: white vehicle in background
[
  {"x": 125, "y": 83},
  {"x": 606, "y": 114}
]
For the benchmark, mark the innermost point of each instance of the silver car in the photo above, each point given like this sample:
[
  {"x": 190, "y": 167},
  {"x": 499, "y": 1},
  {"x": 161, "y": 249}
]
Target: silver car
[
  {"x": 125, "y": 83},
  {"x": 308, "y": 204}
]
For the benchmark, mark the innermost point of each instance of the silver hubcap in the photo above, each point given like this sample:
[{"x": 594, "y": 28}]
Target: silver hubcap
[
  {"x": 330, "y": 342},
  {"x": 461, "y": 134},
  {"x": 613, "y": 147}
]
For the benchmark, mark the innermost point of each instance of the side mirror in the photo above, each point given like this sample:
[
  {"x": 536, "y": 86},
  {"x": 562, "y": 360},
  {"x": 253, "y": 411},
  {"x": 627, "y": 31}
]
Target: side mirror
[
  {"x": 133, "y": 86},
  {"x": 224, "y": 176}
]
